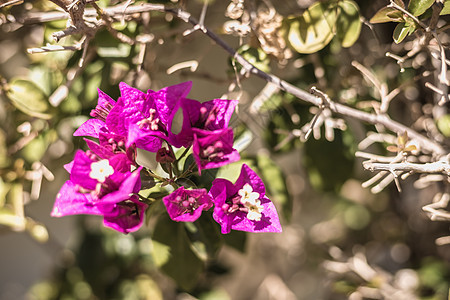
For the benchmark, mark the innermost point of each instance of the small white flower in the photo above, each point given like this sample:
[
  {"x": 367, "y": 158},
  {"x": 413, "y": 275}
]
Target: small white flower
[
  {"x": 254, "y": 210},
  {"x": 250, "y": 200},
  {"x": 247, "y": 194},
  {"x": 100, "y": 170}
]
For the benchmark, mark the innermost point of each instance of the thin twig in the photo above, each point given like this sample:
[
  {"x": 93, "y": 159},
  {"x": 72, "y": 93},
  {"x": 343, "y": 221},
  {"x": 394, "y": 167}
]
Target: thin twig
[
  {"x": 12, "y": 2},
  {"x": 430, "y": 168}
]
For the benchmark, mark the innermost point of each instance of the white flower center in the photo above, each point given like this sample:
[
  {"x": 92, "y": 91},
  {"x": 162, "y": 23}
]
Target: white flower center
[
  {"x": 100, "y": 170},
  {"x": 250, "y": 200},
  {"x": 248, "y": 194}
]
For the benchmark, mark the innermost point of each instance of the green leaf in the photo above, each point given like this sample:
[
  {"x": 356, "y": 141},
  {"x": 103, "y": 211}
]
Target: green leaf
[
  {"x": 4, "y": 189},
  {"x": 10, "y": 219},
  {"x": 400, "y": 32},
  {"x": 35, "y": 149},
  {"x": 243, "y": 140},
  {"x": 387, "y": 14},
  {"x": 5, "y": 159},
  {"x": 348, "y": 24},
  {"x": 418, "y": 7},
  {"x": 231, "y": 171},
  {"x": 120, "y": 51},
  {"x": 29, "y": 98},
  {"x": 215, "y": 294},
  {"x": 178, "y": 260},
  {"x": 274, "y": 180},
  {"x": 446, "y": 9},
  {"x": 13, "y": 215},
  {"x": 329, "y": 164},
  {"x": 400, "y": 3},
  {"x": 356, "y": 217},
  {"x": 236, "y": 239},
  {"x": 314, "y": 29},
  {"x": 205, "y": 237},
  {"x": 443, "y": 123},
  {"x": 256, "y": 57}
]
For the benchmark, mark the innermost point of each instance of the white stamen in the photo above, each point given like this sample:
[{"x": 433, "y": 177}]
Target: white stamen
[{"x": 100, "y": 170}]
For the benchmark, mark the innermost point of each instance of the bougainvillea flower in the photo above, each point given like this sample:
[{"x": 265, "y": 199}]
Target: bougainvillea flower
[
  {"x": 212, "y": 149},
  {"x": 210, "y": 115},
  {"x": 244, "y": 205},
  {"x": 111, "y": 144},
  {"x": 92, "y": 127},
  {"x": 102, "y": 187},
  {"x": 126, "y": 216},
  {"x": 144, "y": 117},
  {"x": 187, "y": 205}
]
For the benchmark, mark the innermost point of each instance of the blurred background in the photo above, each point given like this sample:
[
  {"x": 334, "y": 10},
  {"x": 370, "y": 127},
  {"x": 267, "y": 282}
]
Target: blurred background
[{"x": 339, "y": 241}]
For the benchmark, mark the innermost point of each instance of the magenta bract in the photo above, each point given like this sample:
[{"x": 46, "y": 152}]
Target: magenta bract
[
  {"x": 187, "y": 205},
  {"x": 102, "y": 187},
  {"x": 244, "y": 205},
  {"x": 212, "y": 149}
]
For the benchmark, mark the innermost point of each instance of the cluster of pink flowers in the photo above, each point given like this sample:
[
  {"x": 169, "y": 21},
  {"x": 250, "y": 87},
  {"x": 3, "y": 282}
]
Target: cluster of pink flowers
[{"x": 105, "y": 180}]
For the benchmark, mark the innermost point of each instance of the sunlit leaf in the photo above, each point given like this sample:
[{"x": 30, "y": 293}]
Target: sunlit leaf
[
  {"x": 392, "y": 148},
  {"x": 242, "y": 141},
  {"x": 29, "y": 98},
  {"x": 410, "y": 148},
  {"x": 446, "y": 9},
  {"x": 216, "y": 294},
  {"x": 402, "y": 139},
  {"x": 400, "y": 32},
  {"x": 121, "y": 50},
  {"x": 4, "y": 189},
  {"x": 348, "y": 24},
  {"x": 443, "y": 123},
  {"x": 10, "y": 219},
  {"x": 35, "y": 149},
  {"x": 231, "y": 171},
  {"x": 418, "y": 7},
  {"x": 256, "y": 57},
  {"x": 37, "y": 231},
  {"x": 387, "y": 14},
  {"x": 314, "y": 29},
  {"x": 12, "y": 215}
]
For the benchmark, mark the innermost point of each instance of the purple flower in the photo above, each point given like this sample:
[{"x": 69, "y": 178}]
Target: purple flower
[
  {"x": 92, "y": 127},
  {"x": 144, "y": 118},
  {"x": 187, "y": 205},
  {"x": 210, "y": 115},
  {"x": 244, "y": 205},
  {"x": 126, "y": 216},
  {"x": 212, "y": 149},
  {"x": 102, "y": 187},
  {"x": 111, "y": 144}
]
